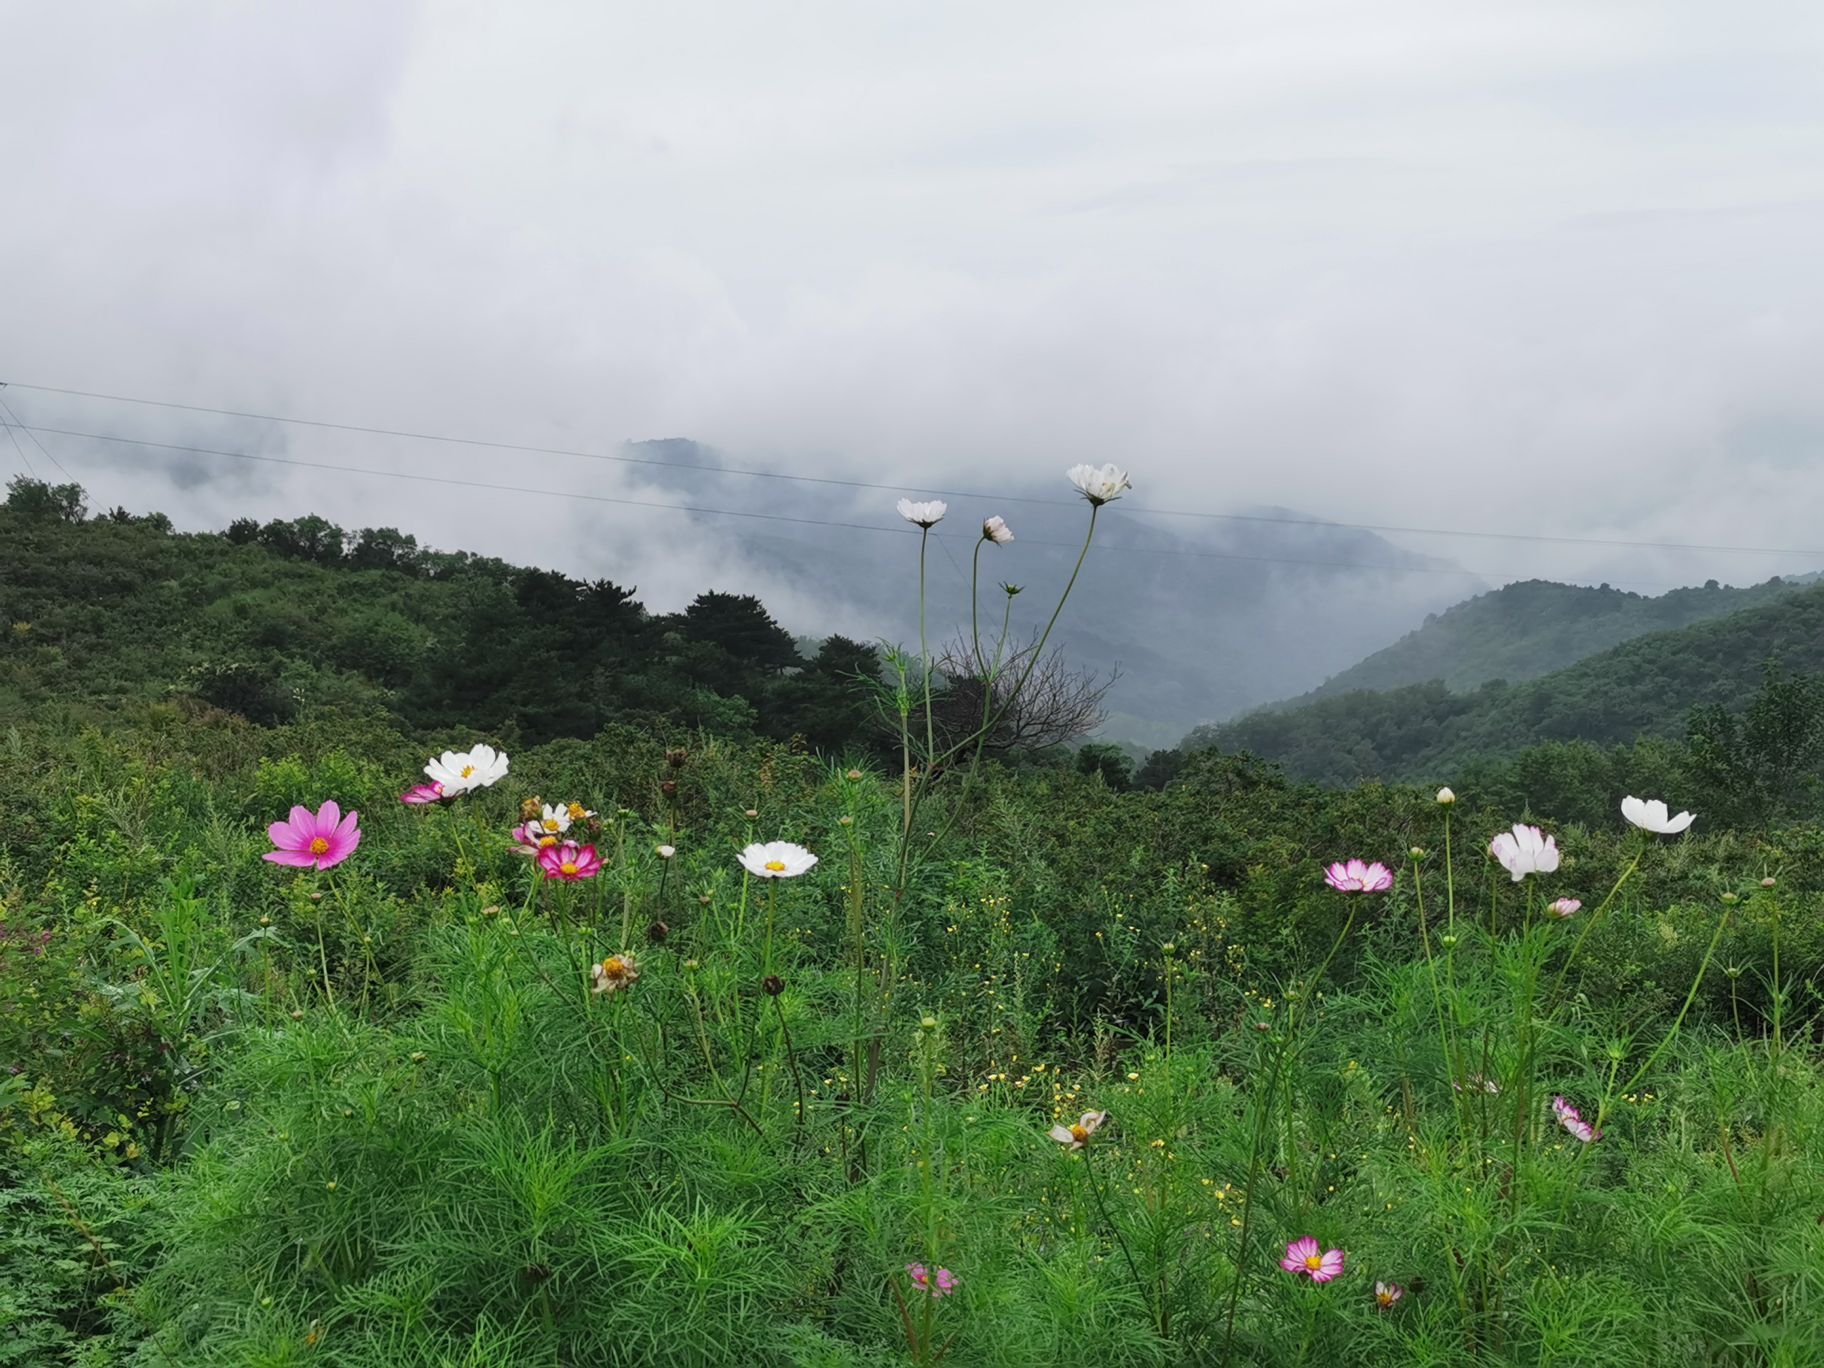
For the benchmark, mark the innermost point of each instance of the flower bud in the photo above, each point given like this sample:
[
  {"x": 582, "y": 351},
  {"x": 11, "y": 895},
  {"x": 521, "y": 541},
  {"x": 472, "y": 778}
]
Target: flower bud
[
  {"x": 669, "y": 788},
  {"x": 676, "y": 756},
  {"x": 751, "y": 813},
  {"x": 1730, "y": 898},
  {"x": 1417, "y": 852},
  {"x": 692, "y": 965},
  {"x": 1769, "y": 881},
  {"x": 928, "y": 1024},
  {"x": 1448, "y": 941},
  {"x": 845, "y": 820},
  {"x": 1446, "y": 797},
  {"x": 853, "y": 775},
  {"x": 531, "y": 809},
  {"x": 297, "y": 1014},
  {"x": 774, "y": 985},
  {"x": 664, "y": 852},
  {"x": 265, "y": 921}
]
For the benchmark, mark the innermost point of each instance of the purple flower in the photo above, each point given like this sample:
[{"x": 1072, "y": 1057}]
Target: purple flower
[{"x": 1353, "y": 876}]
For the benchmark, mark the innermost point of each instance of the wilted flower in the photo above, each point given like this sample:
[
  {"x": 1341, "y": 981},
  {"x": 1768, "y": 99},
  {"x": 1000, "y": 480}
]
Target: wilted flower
[
  {"x": 615, "y": 973},
  {"x": 1561, "y": 908},
  {"x": 420, "y": 794},
  {"x": 1387, "y": 1294},
  {"x": 529, "y": 808},
  {"x": 577, "y": 812},
  {"x": 996, "y": 531},
  {"x": 1649, "y": 814},
  {"x": 940, "y": 1286},
  {"x": 1304, "y": 1257},
  {"x": 1572, "y": 1120},
  {"x": 1446, "y": 797},
  {"x": 657, "y": 932},
  {"x": 1525, "y": 850},
  {"x": 1355, "y": 877},
  {"x": 776, "y": 860},
  {"x": 772, "y": 985},
  {"x": 1476, "y": 1080},
  {"x": 1099, "y": 484},
  {"x": 314, "y": 840},
  {"x": 927, "y": 514},
  {"x": 676, "y": 756},
  {"x": 1076, "y": 1135},
  {"x": 461, "y": 771},
  {"x": 569, "y": 862}
]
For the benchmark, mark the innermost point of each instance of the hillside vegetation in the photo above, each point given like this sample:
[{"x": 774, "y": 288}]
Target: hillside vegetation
[
  {"x": 1532, "y": 628},
  {"x": 1646, "y": 687}
]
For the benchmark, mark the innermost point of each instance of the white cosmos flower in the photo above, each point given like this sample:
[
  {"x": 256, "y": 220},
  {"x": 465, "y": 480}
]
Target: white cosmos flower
[
  {"x": 776, "y": 860},
  {"x": 996, "y": 531},
  {"x": 1649, "y": 814},
  {"x": 1099, "y": 484},
  {"x": 1525, "y": 850},
  {"x": 551, "y": 821},
  {"x": 926, "y": 514},
  {"x": 664, "y": 852},
  {"x": 462, "y": 771}
]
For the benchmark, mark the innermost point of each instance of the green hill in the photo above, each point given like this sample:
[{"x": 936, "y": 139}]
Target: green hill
[
  {"x": 1645, "y": 687},
  {"x": 1529, "y": 629}
]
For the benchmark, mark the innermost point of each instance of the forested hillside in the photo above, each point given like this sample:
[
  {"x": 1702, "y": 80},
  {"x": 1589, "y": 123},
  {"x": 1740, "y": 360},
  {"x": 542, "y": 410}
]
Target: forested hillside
[
  {"x": 1528, "y": 629},
  {"x": 298, "y": 616},
  {"x": 1647, "y": 687}
]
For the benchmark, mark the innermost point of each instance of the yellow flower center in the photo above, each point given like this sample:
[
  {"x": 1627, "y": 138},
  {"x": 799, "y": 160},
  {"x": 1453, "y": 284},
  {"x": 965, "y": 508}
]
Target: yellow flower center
[
  {"x": 1314, "y": 1262},
  {"x": 777, "y": 866},
  {"x": 577, "y": 812},
  {"x": 614, "y": 966},
  {"x": 1078, "y": 1134},
  {"x": 319, "y": 846},
  {"x": 544, "y": 841},
  {"x": 467, "y": 770},
  {"x": 567, "y": 867},
  {"x": 549, "y": 824},
  {"x": 1384, "y": 1298}
]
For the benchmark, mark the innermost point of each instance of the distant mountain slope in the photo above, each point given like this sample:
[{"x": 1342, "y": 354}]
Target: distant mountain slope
[
  {"x": 1531, "y": 628},
  {"x": 1643, "y": 687}
]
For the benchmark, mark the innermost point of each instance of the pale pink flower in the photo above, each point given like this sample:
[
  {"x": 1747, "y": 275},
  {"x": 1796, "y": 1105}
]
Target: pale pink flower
[
  {"x": 569, "y": 862},
  {"x": 314, "y": 840},
  {"x": 1355, "y": 877},
  {"x": 420, "y": 794},
  {"x": 529, "y": 840},
  {"x": 1525, "y": 850},
  {"x": 1387, "y": 1295},
  {"x": 1650, "y": 814},
  {"x": 1075, "y": 1136},
  {"x": 996, "y": 530},
  {"x": 1572, "y": 1120},
  {"x": 942, "y": 1285},
  {"x": 1306, "y": 1259},
  {"x": 1560, "y": 908}
]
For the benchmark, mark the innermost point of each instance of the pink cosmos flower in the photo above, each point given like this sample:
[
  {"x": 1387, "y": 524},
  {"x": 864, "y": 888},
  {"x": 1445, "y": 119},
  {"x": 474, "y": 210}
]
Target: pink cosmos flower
[
  {"x": 420, "y": 794},
  {"x": 1561, "y": 908},
  {"x": 1386, "y": 1295},
  {"x": 529, "y": 840},
  {"x": 1572, "y": 1120},
  {"x": 940, "y": 1286},
  {"x": 1304, "y": 1258},
  {"x": 569, "y": 862},
  {"x": 314, "y": 840},
  {"x": 1356, "y": 877}
]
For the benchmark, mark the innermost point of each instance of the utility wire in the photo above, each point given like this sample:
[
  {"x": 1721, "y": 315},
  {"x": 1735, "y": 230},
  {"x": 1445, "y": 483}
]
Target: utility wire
[
  {"x": 23, "y": 458},
  {"x": 949, "y": 493},
  {"x": 8, "y": 410},
  {"x": 577, "y": 495}
]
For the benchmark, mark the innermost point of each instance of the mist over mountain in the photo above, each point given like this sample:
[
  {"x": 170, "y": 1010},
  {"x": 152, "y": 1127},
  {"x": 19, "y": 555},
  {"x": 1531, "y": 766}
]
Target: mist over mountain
[{"x": 1202, "y": 617}]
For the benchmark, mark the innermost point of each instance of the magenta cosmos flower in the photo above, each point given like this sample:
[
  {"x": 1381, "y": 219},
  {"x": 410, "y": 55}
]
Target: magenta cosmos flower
[
  {"x": 1572, "y": 1120},
  {"x": 1353, "y": 876},
  {"x": 569, "y": 862},
  {"x": 942, "y": 1285},
  {"x": 1303, "y": 1257},
  {"x": 314, "y": 840},
  {"x": 420, "y": 794}
]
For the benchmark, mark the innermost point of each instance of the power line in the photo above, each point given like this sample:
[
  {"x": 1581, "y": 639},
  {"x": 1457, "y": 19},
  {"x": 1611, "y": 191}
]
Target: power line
[
  {"x": 752, "y": 473},
  {"x": 7, "y": 408},
  {"x": 23, "y": 458},
  {"x": 576, "y": 496}
]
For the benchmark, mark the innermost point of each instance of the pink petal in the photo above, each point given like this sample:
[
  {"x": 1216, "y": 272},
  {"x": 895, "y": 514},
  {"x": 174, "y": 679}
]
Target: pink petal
[
  {"x": 297, "y": 859},
  {"x": 286, "y": 837},
  {"x": 328, "y": 817},
  {"x": 304, "y": 822}
]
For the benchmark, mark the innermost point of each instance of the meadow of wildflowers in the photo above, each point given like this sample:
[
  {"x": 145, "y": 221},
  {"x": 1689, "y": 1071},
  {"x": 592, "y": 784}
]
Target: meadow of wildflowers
[{"x": 683, "y": 1049}]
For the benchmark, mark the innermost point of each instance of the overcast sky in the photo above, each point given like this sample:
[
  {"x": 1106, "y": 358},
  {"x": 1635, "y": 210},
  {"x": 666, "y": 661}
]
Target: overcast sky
[{"x": 1522, "y": 267}]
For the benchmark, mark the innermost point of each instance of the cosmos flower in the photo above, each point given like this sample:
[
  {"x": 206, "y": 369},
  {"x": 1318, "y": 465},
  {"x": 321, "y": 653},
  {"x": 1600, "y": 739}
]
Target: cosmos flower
[
  {"x": 1525, "y": 850},
  {"x": 1561, "y": 908},
  {"x": 1387, "y": 1295},
  {"x": 1074, "y": 1137},
  {"x": 314, "y": 840},
  {"x": 1476, "y": 1080},
  {"x": 463, "y": 771},
  {"x": 776, "y": 860},
  {"x": 996, "y": 531},
  {"x": 1355, "y": 877},
  {"x": 940, "y": 1286},
  {"x": 529, "y": 840},
  {"x": 1099, "y": 484},
  {"x": 552, "y": 819},
  {"x": 569, "y": 862},
  {"x": 664, "y": 852},
  {"x": 1572, "y": 1120},
  {"x": 1304, "y": 1258},
  {"x": 927, "y": 513},
  {"x": 1649, "y": 814},
  {"x": 615, "y": 973},
  {"x": 420, "y": 794}
]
